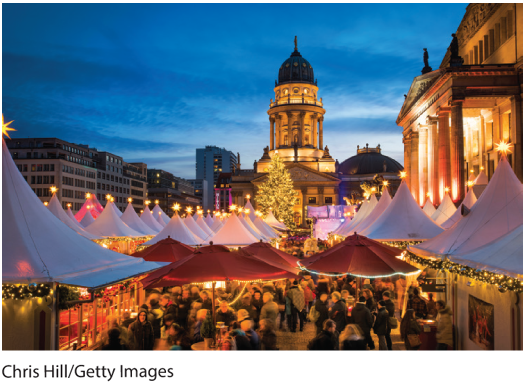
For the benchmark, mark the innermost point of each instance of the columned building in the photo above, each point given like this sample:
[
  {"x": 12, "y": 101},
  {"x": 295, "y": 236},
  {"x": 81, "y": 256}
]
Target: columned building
[{"x": 453, "y": 117}]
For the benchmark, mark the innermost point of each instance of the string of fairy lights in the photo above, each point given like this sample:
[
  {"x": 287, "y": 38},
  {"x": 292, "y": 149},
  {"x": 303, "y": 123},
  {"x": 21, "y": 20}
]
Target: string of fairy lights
[
  {"x": 503, "y": 282},
  {"x": 25, "y": 291}
]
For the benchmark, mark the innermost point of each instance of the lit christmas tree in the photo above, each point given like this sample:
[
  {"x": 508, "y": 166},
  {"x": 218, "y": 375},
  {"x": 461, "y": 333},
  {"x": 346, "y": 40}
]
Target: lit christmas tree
[{"x": 277, "y": 193}]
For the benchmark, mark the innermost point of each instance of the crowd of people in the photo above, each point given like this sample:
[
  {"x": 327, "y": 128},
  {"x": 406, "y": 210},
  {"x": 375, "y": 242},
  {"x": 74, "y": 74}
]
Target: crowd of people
[{"x": 253, "y": 312}]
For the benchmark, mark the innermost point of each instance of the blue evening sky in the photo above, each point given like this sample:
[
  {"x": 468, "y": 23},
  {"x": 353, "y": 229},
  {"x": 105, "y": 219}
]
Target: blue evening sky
[{"x": 154, "y": 82}]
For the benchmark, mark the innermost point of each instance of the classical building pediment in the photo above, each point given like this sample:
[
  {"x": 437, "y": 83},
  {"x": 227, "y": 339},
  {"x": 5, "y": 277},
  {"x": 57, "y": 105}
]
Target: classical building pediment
[
  {"x": 301, "y": 173},
  {"x": 419, "y": 87}
]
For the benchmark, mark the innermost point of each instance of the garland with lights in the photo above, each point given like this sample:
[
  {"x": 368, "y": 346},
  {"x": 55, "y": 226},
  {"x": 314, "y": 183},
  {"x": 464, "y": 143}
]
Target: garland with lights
[
  {"x": 503, "y": 282},
  {"x": 25, "y": 291},
  {"x": 353, "y": 274}
]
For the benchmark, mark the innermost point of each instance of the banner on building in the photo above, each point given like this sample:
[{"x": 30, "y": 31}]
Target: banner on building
[{"x": 481, "y": 322}]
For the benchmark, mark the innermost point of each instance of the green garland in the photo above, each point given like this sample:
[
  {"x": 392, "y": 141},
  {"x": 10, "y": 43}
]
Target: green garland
[
  {"x": 503, "y": 282},
  {"x": 24, "y": 291},
  {"x": 66, "y": 294}
]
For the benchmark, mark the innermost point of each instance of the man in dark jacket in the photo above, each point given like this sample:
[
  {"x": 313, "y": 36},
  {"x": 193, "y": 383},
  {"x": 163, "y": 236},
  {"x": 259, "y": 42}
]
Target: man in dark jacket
[
  {"x": 338, "y": 312},
  {"x": 361, "y": 316},
  {"x": 418, "y": 305},
  {"x": 296, "y": 297},
  {"x": 167, "y": 305},
  {"x": 321, "y": 306},
  {"x": 381, "y": 325},
  {"x": 326, "y": 340},
  {"x": 391, "y": 309},
  {"x": 183, "y": 309},
  {"x": 141, "y": 332}
]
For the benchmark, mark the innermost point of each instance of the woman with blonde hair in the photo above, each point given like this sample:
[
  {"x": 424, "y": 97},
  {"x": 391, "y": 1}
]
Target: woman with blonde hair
[{"x": 352, "y": 339}]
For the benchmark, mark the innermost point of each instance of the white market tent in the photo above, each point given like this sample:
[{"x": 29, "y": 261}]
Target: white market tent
[
  {"x": 156, "y": 211},
  {"x": 480, "y": 183},
  {"x": 41, "y": 248},
  {"x": 87, "y": 220},
  {"x": 366, "y": 208},
  {"x": 498, "y": 211},
  {"x": 73, "y": 218},
  {"x": 177, "y": 230},
  {"x": 202, "y": 224},
  {"x": 217, "y": 224},
  {"x": 89, "y": 205},
  {"x": 56, "y": 209},
  {"x": 159, "y": 218},
  {"x": 209, "y": 220},
  {"x": 444, "y": 211},
  {"x": 109, "y": 224},
  {"x": 429, "y": 208},
  {"x": 252, "y": 214},
  {"x": 376, "y": 212},
  {"x": 403, "y": 220},
  {"x": 274, "y": 223},
  {"x": 148, "y": 218},
  {"x": 195, "y": 216},
  {"x": 195, "y": 229},
  {"x": 115, "y": 208},
  {"x": 234, "y": 234},
  {"x": 502, "y": 256},
  {"x": 468, "y": 202},
  {"x": 132, "y": 220},
  {"x": 252, "y": 228},
  {"x": 264, "y": 228}
]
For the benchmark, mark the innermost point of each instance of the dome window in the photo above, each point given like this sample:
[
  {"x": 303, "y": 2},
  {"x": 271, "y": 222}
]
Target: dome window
[
  {"x": 306, "y": 91},
  {"x": 296, "y": 90},
  {"x": 285, "y": 91}
]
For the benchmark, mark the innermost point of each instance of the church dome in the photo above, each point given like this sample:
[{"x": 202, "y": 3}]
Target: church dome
[
  {"x": 367, "y": 161},
  {"x": 296, "y": 69}
]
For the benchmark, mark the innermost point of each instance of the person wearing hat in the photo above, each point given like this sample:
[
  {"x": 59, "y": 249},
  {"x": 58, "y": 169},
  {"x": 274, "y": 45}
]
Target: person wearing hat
[
  {"x": 246, "y": 323},
  {"x": 361, "y": 316},
  {"x": 381, "y": 325}
]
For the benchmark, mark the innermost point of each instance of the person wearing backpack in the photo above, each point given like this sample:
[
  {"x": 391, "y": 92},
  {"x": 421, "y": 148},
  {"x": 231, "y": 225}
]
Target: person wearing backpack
[
  {"x": 392, "y": 320},
  {"x": 321, "y": 307}
]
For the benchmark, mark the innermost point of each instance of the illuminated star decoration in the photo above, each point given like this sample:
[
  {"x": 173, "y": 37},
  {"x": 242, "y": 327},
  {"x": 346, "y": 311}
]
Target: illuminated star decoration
[
  {"x": 147, "y": 202},
  {"x": 88, "y": 195},
  {"x": 108, "y": 197},
  {"x": 233, "y": 207},
  {"x": 69, "y": 205},
  {"x": 53, "y": 189},
  {"x": 189, "y": 210},
  {"x": 385, "y": 183},
  {"x": 428, "y": 194},
  {"x": 248, "y": 197},
  {"x": 447, "y": 189},
  {"x": 176, "y": 207},
  {"x": 156, "y": 201},
  {"x": 130, "y": 199},
  {"x": 6, "y": 128},
  {"x": 402, "y": 174},
  {"x": 470, "y": 183},
  {"x": 503, "y": 147}
]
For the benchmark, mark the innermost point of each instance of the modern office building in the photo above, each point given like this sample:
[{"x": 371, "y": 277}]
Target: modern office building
[
  {"x": 169, "y": 189},
  {"x": 211, "y": 161},
  {"x": 137, "y": 174}
]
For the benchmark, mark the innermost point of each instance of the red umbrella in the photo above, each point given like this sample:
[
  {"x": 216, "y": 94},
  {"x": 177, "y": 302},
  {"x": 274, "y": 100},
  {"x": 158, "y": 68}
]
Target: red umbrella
[
  {"x": 167, "y": 250},
  {"x": 212, "y": 248},
  {"x": 271, "y": 255},
  {"x": 362, "y": 257}
]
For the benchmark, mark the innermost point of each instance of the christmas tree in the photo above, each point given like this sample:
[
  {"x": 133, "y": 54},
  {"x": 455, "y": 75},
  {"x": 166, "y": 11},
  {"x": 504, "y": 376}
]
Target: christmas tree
[{"x": 277, "y": 193}]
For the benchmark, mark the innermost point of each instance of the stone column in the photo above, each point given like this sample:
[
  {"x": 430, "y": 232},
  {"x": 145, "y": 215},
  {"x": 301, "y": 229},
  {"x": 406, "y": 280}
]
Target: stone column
[
  {"x": 407, "y": 141},
  {"x": 320, "y": 195},
  {"x": 444, "y": 152},
  {"x": 302, "y": 141},
  {"x": 414, "y": 166},
  {"x": 516, "y": 134},
  {"x": 423, "y": 163},
  {"x": 314, "y": 130},
  {"x": 278, "y": 134},
  {"x": 304, "y": 190},
  {"x": 321, "y": 119},
  {"x": 457, "y": 154},
  {"x": 290, "y": 118},
  {"x": 433, "y": 177},
  {"x": 272, "y": 131}
]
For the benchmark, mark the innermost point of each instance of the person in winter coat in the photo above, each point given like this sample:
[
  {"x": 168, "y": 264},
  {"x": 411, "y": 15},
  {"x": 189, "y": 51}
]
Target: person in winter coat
[
  {"x": 361, "y": 316},
  {"x": 370, "y": 302},
  {"x": 141, "y": 332},
  {"x": 167, "y": 305},
  {"x": 183, "y": 309},
  {"x": 308, "y": 295},
  {"x": 178, "y": 336},
  {"x": 323, "y": 285},
  {"x": 206, "y": 301},
  {"x": 267, "y": 336},
  {"x": 352, "y": 339},
  {"x": 418, "y": 304},
  {"x": 321, "y": 306},
  {"x": 327, "y": 340},
  {"x": 391, "y": 309},
  {"x": 296, "y": 297},
  {"x": 338, "y": 312},
  {"x": 381, "y": 325},
  {"x": 246, "y": 324},
  {"x": 126, "y": 320},
  {"x": 114, "y": 341},
  {"x": 281, "y": 302},
  {"x": 201, "y": 315},
  {"x": 409, "y": 326},
  {"x": 431, "y": 307},
  {"x": 444, "y": 326},
  {"x": 269, "y": 310},
  {"x": 225, "y": 314},
  {"x": 247, "y": 305},
  {"x": 401, "y": 287}
]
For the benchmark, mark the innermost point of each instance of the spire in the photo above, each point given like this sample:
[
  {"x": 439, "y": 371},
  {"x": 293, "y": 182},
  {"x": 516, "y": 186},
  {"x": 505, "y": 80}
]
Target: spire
[{"x": 295, "y": 42}]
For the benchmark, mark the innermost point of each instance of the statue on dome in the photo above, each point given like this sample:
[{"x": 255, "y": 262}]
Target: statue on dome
[{"x": 295, "y": 42}]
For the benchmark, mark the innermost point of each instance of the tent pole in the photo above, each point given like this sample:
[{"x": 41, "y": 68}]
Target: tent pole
[{"x": 213, "y": 301}]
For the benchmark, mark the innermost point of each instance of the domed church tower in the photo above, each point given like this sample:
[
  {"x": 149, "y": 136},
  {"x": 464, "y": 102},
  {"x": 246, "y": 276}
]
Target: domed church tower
[{"x": 296, "y": 118}]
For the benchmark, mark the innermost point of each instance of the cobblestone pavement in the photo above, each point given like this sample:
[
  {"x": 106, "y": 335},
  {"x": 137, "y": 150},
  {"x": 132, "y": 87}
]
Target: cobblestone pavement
[{"x": 289, "y": 341}]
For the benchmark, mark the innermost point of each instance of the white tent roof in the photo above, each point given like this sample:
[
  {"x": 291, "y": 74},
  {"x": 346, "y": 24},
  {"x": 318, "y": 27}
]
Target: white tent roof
[
  {"x": 498, "y": 211},
  {"x": 468, "y": 202},
  {"x": 217, "y": 224},
  {"x": 177, "y": 230},
  {"x": 202, "y": 224},
  {"x": 73, "y": 218},
  {"x": 209, "y": 220},
  {"x": 87, "y": 220},
  {"x": 93, "y": 208},
  {"x": 403, "y": 220},
  {"x": 376, "y": 212},
  {"x": 109, "y": 224},
  {"x": 264, "y": 228},
  {"x": 273, "y": 222},
  {"x": 156, "y": 211},
  {"x": 56, "y": 209},
  {"x": 252, "y": 228},
  {"x": 444, "y": 211},
  {"x": 502, "y": 256},
  {"x": 269, "y": 229},
  {"x": 481, "y": 179},
  {"x": 249, "y": 206},
  {"x": 132, "y": 220},
  {"x": 195, "y": 216},
  {"x": 195, "y": 229},
  {"x": 115, "y": 208},
  {"x": 233, "y": 233},
  {"x": 366, "y": 208},
  {"x": 148, "y": 218},
  {"x": 38, "y": 247},
  {"x": 429, "y": 208},
  {"x": 159, "y": 219}
]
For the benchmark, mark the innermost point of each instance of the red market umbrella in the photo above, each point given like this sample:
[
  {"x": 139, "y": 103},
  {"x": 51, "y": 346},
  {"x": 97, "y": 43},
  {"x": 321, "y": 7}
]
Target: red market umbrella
[
  {"x": 167, "y": 250},
  {"x": 212, "y": 248},
  {"x": 271, "y": 255}
]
